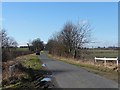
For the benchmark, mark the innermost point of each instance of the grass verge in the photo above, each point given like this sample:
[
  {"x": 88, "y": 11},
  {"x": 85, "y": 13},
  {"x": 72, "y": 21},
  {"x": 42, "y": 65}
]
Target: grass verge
[
  {"x": 100, "y": 70},
  {"x": 30, "y": 67}
]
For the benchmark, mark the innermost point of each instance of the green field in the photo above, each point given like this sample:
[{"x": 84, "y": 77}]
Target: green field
[
  {"x": 22, "y": 49},
  {"x": 92, "y": 53},
  {"x": 105, "y": 53}
]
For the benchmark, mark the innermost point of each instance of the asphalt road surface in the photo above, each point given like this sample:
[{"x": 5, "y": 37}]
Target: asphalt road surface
[{"x": 70, "y": 76}]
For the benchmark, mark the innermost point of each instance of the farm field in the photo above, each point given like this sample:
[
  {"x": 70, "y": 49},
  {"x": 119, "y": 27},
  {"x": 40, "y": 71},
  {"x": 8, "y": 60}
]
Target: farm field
[
  {"x": 22, "y": 49},
  {"x": 105, "y": 53},
  {"x": 87, "y": 62},
  {"x": 92, "y": 53},
  {"x": 109, "y": 71}
]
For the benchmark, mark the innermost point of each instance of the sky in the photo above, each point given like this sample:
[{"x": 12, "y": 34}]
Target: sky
[
  {"x": 26, "y": 21},
  {"x": 60, "y": 0}
]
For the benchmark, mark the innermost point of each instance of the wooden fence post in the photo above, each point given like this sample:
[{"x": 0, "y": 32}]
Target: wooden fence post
[
  {"x": 95, "y": 60},
  {"x": 117, "y": 61},
  {"x": 105, "y": 61}
]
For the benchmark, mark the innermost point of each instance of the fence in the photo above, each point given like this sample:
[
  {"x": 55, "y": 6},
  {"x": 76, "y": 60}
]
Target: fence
[{"x": 107, "y": 59}]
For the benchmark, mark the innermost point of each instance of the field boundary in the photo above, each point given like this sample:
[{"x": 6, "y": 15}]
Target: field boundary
[
  {"x": 96, "y": 69},
  {"x": 107, "y": 59}
]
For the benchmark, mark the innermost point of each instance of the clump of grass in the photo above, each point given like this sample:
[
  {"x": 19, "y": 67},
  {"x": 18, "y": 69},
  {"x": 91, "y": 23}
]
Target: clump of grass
[
  {"x": 33, "y": 63},
  {"x": 30, "y": 66}
]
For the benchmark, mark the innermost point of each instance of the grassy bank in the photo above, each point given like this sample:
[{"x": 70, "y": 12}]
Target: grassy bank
[
  {"x": 30, "y": 61},
  {"x": 30, "y": 67},
  {"x": 90, "y": 67}
]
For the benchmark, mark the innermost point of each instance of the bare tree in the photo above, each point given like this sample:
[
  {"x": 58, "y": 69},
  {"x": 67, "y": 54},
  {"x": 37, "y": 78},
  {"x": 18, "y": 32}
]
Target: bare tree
[
  {"x": 50, "y": 46},
  {"x": 67, "y": 35},
  {"x": 5, "y": 38},
  {"x": 12, "y": 43},
  {"x": 7, "y": 41},
  {"x": 81, "y": 36},
  {"x": 8, "y": 44},
  {"x": 71, "y": 38},
  {"x": 74, "y": 37},
  {"x": 37, "y": 45}
]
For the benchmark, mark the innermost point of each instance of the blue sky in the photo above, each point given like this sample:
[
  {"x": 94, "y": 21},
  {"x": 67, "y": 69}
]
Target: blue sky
[{"x": 28, "y": 21}]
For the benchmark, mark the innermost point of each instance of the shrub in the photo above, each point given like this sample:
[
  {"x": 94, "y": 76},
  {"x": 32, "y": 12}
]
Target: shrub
[{"x": 11, "y": 54}]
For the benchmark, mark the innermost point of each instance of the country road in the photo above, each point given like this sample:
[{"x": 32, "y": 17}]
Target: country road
[{"x": 70, "y": 76}]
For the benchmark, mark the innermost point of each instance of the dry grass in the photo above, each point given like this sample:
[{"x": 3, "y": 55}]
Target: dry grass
[
  {"x": 29, "y": 64},
  {"x": 108, "y": 71},
  {"x": 5, "y": 71}
]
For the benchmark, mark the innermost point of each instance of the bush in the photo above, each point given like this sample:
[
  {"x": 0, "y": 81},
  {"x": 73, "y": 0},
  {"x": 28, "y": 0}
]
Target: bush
[{"x": 11, "y": 54}]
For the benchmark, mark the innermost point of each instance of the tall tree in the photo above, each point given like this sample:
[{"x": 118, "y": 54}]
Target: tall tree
[
  {"x": 5, "y": 38},
  {"x": 7, "y": 41},
  {"x": 37, "y": 44},
  {"x": 71, "y": 38},
  {"x": 8, "y": 45},
  {"x": 82, "y": 36},
  {"x": 67, "y": 35}
]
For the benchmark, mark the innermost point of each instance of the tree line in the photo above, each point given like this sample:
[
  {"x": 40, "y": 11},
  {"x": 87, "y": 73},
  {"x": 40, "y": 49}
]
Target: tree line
[
  {"x": 36, "y": 45},
  {"x": 9, "y": 46},
  {"x": 70, "y": 40}
]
